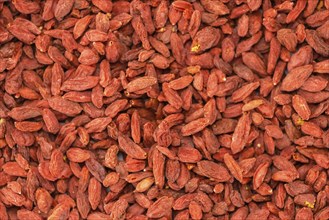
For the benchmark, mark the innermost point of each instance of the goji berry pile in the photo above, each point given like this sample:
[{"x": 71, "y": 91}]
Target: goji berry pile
[{"x": 158, "y": 109}]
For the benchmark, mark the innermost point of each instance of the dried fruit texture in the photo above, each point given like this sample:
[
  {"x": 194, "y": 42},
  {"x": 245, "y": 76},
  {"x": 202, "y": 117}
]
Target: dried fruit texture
[
  {"x": 131, "y": 149},
  {"x": 213, "y": 170},
  {"x": 254, "y": 62},
  {"x": 233, "y": 167},
  {"x": 241, "y": 133},
  {"x": 301, "y": 107},
  {"x": 161, "y": 207},
  {"x": 296, "y": 78},
  {"x": 141, "y": 83},
  {"x": 317, "y": 43},
  {"x": 64, "y": 106},
  {"x": 63, "y": 8},
  {"x": 215, "y": 7},
  {"x": 157, "y": 109},
  {"x": 242, "y": 93},
  {"x": 205, "y": 39},
  {"x": 288, "y": 39}
]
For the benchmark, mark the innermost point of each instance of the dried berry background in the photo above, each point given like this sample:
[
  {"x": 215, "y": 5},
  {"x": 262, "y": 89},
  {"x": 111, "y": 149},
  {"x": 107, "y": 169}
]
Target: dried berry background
[{"x": 158, "y": 109}]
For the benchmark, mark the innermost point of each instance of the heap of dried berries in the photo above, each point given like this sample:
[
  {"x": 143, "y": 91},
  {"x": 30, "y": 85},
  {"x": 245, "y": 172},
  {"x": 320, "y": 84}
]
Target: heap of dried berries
[{"x": 158, "y": 109}]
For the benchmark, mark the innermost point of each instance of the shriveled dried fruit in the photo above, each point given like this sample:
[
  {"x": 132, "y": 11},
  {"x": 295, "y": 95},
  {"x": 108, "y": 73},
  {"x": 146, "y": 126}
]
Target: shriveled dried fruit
[
  {"x": 213, "y": 170},
  {"x": 157, "y": 109},
  {"x": 301, "y": 107},
  {"x": 296, "y": 78}
]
